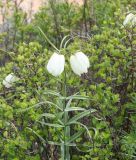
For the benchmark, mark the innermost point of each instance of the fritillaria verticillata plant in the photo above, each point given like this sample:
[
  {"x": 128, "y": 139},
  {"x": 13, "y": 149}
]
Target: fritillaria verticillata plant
[
  {"x": 130, "y": 20},
  {"x": 62, "y": 120},
  {"x": 129, "y": 25},
  {"x": 9, "y": 80}
]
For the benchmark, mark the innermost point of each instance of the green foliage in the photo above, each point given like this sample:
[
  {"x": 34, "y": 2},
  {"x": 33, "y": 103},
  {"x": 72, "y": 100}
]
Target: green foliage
[{"x": 129, "y": 138}]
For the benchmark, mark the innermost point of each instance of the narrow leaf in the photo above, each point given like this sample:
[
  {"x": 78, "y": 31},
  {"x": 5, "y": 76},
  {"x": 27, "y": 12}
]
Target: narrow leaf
[
  {"x": 52, "y": 93},
  {"x": 75, "y": 136},
  {"x": 79, "y": 116},
  {"x": 43, "y": 140},
  {"x": 48, "y": 39},
  {"x": 47, "y": 115},
  {"x": 63, "y": 41},
  {"x": 51, "y": 125},
  {"x": 39, "y": 105},
  {"x": 78, "y": 97},
  {"x": 69, "y": 103},
  {"x": 81, "y": 124},
  {"x": 74, "y": 109}
]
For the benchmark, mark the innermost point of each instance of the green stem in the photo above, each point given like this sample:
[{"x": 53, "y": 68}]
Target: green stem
[{"x": 65, "y": 150}]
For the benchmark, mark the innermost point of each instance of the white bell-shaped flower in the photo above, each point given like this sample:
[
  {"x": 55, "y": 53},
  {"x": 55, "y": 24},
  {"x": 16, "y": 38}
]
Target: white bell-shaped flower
[
  {"x": 56, "y": 64},
  {"x": 79, "y": 63},
  {"x": 9, "y": 80},
  {"x": 130, "y": 20}
]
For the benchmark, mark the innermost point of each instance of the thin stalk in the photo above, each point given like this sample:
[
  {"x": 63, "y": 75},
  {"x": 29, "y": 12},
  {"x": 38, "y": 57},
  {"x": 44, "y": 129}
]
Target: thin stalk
[
  {"x": 133, "y": 63},
  {"x": 65, "y": 149}
]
